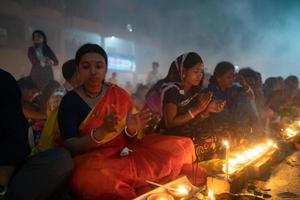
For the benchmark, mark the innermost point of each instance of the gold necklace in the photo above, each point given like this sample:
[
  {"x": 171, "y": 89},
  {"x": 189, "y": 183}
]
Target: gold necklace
[{"x": 91, "y": 96}]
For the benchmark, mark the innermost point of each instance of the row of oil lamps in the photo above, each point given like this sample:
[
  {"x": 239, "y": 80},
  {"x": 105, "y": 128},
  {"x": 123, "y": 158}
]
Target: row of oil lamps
[
  {"x": 234, "y": 161},
  {"x": 291, "y": 130}
]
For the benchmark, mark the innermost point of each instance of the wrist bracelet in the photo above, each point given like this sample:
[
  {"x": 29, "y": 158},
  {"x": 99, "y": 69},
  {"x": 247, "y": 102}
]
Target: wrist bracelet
[
  {"x": 128, "y": 134},
  {"x": 94, "y": 138},
  {"x": 191, "y": 114}
]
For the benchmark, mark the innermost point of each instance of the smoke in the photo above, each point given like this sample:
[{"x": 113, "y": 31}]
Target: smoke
[{"x": 264, "y": 35}]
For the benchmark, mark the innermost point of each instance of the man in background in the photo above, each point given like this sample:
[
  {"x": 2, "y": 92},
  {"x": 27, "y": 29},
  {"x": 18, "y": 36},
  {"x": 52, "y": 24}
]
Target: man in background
[{"x": 154, "y": 75}]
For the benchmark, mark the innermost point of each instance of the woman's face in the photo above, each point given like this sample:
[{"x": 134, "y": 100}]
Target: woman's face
[
  {"x": 226, "y": 80},
  {"x": 92, "y": 69},
  {"x": 194, "y": 75},
  {"x": 37, "y": 38}
]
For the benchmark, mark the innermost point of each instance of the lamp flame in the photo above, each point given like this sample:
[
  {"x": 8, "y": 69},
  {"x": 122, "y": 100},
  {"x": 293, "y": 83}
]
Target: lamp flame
[
  {"x": 248, "y": 155},
  {"x": 290, "y": 132},
  {"x": 226, "y": 144},
  {"x": 210, "y": 195},
  {"x": 182, "y": 190}
]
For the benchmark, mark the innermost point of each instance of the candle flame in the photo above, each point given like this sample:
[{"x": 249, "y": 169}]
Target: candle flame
[
  {"x": 290, "y": 132},
  {"x": 162, "y": 198},
  {"x": 210, "y": 195},
  {"x": 270, "y": 143},
  {"x": 182, "y": 190},
  {"x": 226, "y": 144}
]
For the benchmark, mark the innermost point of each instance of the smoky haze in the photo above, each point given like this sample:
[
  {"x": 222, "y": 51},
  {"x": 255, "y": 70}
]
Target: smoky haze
[{"x": 262, "y": 34}]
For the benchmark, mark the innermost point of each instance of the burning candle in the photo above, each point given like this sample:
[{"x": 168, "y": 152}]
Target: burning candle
[
  {"x": 226, "y": 144},
  {"x": 180, "y": 190},
  {"x": 242, "y": 158},
  {"x": 210, "y": 195},
  {"x": 290, "y": 132},
  {"x": 160, "y": 196}
]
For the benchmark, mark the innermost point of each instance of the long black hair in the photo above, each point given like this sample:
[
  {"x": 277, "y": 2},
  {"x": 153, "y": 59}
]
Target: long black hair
[
  {"x": 45, "y": 46},
  {"x": 184, "y": 61},
  {"x": 221, "y": 69},
  {"x": 90, "y": 48},
  {"x": 41, "y": 33}
]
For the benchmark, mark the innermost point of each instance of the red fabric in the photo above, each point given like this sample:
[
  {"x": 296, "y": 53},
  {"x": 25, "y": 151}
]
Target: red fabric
[{"x": 103, "y": 174}]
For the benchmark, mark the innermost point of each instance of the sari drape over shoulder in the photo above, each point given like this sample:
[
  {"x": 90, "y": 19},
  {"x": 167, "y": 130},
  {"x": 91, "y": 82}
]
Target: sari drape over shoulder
[
  {"x": 50, "y": 136},
  {"x": 103, "y": 173}
]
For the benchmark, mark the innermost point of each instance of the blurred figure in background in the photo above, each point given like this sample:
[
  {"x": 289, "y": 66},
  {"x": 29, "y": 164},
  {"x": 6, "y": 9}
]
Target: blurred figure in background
[
  {"x": 70, "y": 74},
  {"x": 21, "y": 176},
  {"x": 206, "y": 78},
  {"x": 113, "y": 78},
  {"x": 285, "y": 96},
  {"x": 154, "y": 75},
  {"x": 129, "y": 87},
  {"x": 42, "y": 59},
  {"x": 253, "y": 79},
  {"x": 262, "y": 112},
  {"x": 52, "y": 87},
  {"x": 238, "y": 116},
  {"x": 292, "y": 89},
  {"x": 139, "y": 96},
  {"x": 271, "y": 86},
  {"x": 30, "y": 104}
]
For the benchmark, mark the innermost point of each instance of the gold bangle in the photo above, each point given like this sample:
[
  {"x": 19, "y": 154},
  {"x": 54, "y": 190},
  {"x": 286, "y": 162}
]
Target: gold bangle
[{"x": 94, "y": 138}]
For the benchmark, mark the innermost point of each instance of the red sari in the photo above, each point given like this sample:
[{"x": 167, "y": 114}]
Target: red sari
[{"x": 102, "y": 173}]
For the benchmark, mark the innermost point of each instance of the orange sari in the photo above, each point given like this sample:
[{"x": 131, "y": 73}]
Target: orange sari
[{"x": 102, "y": 173}]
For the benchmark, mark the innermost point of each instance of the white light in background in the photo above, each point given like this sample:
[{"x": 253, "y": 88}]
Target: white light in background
[
  {"x": 129, "y": 28},
  {"x": 236, "y": 68},
  {"x": 121, "y": 64}
]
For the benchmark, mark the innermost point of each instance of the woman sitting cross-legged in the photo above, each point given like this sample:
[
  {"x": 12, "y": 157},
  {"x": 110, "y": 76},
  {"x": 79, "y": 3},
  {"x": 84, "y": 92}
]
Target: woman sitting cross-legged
[
  {"x": 98, "y": 127},
  {"x": 185, "y": 106}
]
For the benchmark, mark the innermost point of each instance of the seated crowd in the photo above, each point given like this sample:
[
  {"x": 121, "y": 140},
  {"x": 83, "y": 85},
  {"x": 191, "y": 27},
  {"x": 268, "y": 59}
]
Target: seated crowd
[{"x": 97, "y": 141}]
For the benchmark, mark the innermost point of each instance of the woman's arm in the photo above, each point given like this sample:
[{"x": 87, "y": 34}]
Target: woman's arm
[
  {"x": 32, "y": 56},
  {"x": 69, "y": 121},
  {"x": 171, "y": 120},
  {"x": 246, "y": 87},
  {"x": 51, "y": 55},
  {"x": 170, "y": 108},
  {"x": 248, "y": 90},
  {"x": 78, "y": 145}
]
